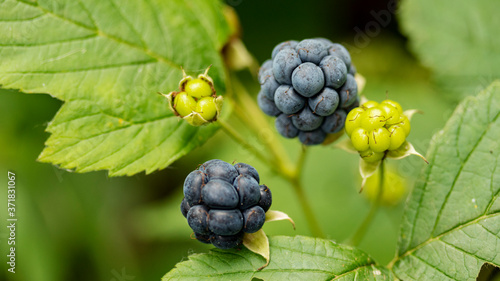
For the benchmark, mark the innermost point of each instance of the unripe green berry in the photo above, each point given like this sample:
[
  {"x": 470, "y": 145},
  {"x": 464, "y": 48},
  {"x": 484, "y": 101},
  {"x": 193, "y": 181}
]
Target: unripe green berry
[
  {"x": 394, "y": 104},
  {"x": 184, "y": 104},
  {"x": 198, "y": 88},
  {"x": 398, "y": 136},
  {"x": 360, "y": 139},
  {"x": 353, "y": 120},
  {"x": 379, "y": 140},
  {"x": 369, "y": 104},
  {"x": 391, "y": 113},
  {"x": 372, "y": 119},
  {"x": 404, "y": 123},
  {"x": 393, "y": 190},
  {"x": 371, "y": 156},
  {"x": 207, "y": 108}
]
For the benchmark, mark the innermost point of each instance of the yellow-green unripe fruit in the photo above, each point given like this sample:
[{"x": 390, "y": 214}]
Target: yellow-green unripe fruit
[
  {"x": 207, "y": 108},
  {"x": 391, "y": 113},
  {"x": 394, "y": 188},
  {"x": 369, "y": 104},
  {"x": 371, "y": 156},
  {"x": 394, "y": 104},
  {"x": 404, "y": 123},
  {"x": 398, "y": 137},
  {"x": 360, "y": 139},
  {"x": 379, "y": 140},
  {"x": 353, "y": 120},
  {"x": 372, "y": 119},
  {"x": 375, "y": 129},
  {"x": 184, "y": 104},
  {"x": 198, "y": 88}
]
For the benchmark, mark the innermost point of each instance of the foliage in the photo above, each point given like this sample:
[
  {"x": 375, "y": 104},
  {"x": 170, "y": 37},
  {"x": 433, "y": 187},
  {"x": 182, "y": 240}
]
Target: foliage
[
  {"x": 458, "y": 44},
  {"x": 107, "y": 62},
  {"x": 446, "y": 222}
]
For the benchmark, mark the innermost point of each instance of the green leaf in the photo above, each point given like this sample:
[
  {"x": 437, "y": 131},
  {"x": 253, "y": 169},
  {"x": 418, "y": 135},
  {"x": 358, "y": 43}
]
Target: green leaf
[
  {"x": 451, "y": 225},
  {"x": 107, "y": 60},
  {"x": 292, "y": 258},
  {"x": 457, "y": 39}
]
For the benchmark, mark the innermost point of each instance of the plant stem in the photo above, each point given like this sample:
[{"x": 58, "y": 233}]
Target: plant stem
[
  {"x": 239, "y": 139},
  {"x": 296, "y": 182},
  {"x": 279, "y": 161},
  {"x": 360, "y": 233},
  {"x": 256, "y": 121},
  {"x": 301, "y": 161}
]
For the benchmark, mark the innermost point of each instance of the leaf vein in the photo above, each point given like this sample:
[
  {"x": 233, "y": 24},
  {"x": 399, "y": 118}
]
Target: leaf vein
[
  {"x": 89, "y": 15},
  {"x": 433, "y": 266},
  {"x": 147, "y": 51},
  {"x": 462, "y": 250},
  {"x": 128, "y": 23},
  {"x": 410, "y": 251},
  {"x": 99, "y": 68},
  {"x": 63, "y": 41},
  {"x": 23, "y": 19},
  {"x": 118, "y": 168},
  {"x": 116, "y": 151},
  {"x": 114, "y": 130},
  {"x": 312, "y": 254},
  {"x": 356, "y": 270},
  {"x": 438, "y": 218}
]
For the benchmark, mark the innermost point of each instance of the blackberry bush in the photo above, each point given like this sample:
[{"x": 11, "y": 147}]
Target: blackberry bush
[
  {"x": 106, "y": 62},
  {"x": 222, "y": 202},
  {"x": 310, "y": 87}
]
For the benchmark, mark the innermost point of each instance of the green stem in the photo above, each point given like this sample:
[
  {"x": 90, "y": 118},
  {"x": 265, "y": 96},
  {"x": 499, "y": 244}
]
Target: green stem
[
  {"x": 308, "y": 212},
  {"x": 279, "y": 161},
  {"x": 301, "y": 161},
  {"x": 256, "y": 121},
  {"x": 360, "y": 233},
  {"x": 240, "y": 140},
  {"x": 299, "y": 191}
]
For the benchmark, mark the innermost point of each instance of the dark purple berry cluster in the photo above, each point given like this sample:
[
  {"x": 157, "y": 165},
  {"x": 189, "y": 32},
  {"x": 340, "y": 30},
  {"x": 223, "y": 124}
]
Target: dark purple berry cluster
[
  {"x": 310, "y": 87},
  {"x": 223, "y": 201}
]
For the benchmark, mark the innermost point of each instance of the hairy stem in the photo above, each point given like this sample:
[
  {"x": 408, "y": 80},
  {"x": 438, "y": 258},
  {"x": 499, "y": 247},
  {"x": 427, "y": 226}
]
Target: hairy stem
[{"x": 360, "y": 233}]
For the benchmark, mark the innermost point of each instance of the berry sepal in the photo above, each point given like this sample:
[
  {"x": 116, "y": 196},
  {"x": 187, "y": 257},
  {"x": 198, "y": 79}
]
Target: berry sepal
[
  {"x": 204, "y": 76},
  {"x": 366, "y": 170},
  {"x": 196, "y": 100},
  {"x": 405, "y": 150},
  {"x": 258, "y": 242}
]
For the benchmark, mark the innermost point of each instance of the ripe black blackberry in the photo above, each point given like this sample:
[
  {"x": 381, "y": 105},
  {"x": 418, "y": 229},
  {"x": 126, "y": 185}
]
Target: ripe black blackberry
[
  {"x": 310, "y": 86},
  {"x": 222, "y": 202}
]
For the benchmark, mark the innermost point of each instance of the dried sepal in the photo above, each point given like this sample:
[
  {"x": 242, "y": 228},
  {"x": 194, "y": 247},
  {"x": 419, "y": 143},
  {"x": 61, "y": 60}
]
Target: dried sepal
[
  {"x": 366, "y": 170},
  {"x": 272, "y": 215},
  {"x": 361, "y": 81},
  {"x": 346, "y": 145},
  {"x": 258, "y": 242},
  {"x": 330, "y": 138}
]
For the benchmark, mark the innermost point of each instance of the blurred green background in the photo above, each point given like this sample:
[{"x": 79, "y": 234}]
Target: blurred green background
[{"x": 92, "y": 227}]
